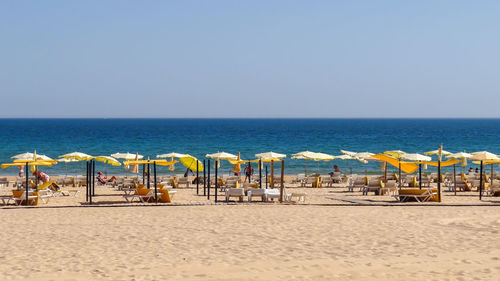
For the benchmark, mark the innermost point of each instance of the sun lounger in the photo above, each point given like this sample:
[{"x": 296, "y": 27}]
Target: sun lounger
[
  {"x": 4, "y": 182},
  {"x": 235, "y": 192},
  {"x": 44, "y": 195},
  {"x": 356, "y": 183},
  {"x": 143, "y": 195},
  {"x": 373, "y": 186},
  {"x": 32, "y": 199},
  {"x": 289, "y": 196},
  {"x": 419, "y": 195},
  {"x": 166, "y": 195},
  {"x": 256, "y": 192}
]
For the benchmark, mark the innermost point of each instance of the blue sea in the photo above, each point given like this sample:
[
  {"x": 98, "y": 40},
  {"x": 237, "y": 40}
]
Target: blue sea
[{"x": 149, "y": 137}]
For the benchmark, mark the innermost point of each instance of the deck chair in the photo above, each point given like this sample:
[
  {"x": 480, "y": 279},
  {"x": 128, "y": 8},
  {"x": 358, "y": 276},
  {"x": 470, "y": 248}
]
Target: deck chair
[
  {"x": 359, "y": 182},
  {"x": 372, "y": 186},
  {"x": 32, "y": 199},
  {"x": 166, "y": 195},
  {"x": 235, "y": 192},
  {"x": 4, "y": 182},
  {"x": 420, "y": 195},
  {"x": 256, "y": 192},
  {"x": 141, "y": 194},
  {"x": 289, "y": 196}
]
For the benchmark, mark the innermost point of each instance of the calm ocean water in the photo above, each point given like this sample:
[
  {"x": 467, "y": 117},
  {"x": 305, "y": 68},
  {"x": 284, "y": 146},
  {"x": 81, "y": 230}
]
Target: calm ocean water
[{"x": 198, "y": 137}]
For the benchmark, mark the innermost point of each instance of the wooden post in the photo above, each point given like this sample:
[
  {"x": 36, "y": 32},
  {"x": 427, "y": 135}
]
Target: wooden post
[
  {"x": 491, "y": 176},
  {"x": 143, "y": 172},
  {"x": 282, "y": 186},
  {"x": 399, "y": 160},
  {"x": 154, "y": 179},
  {"x": 260, "y": 173},
  {"x": 197, "y": 177},
  {"x": 454, "y": 179},
  {"x": 216, "y": 178},
  {"x": 272, "y": 174},
  {"x": 481, "y": 181}
]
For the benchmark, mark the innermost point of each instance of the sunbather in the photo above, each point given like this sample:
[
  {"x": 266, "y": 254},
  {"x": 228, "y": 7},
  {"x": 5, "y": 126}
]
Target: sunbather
[
  {"x": 104, "y": 180},
  {"x": 41, "y": 176}
]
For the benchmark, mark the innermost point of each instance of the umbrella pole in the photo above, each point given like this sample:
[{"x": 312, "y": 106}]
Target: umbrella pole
[
  {"x": 282, "y": 185},
  {"x": 87, "y": 181},
  {"x": 93, "y": 177},
  {"x": 420, "y": 175},
  {"x": 305, "y": 169},
  {"x": 481, "y": 181},
  {"x": 216, "y": 179},
  {"x": 149, "y": 178},
  {"x": 204, "y": 178},
  {"x": 385, "y": 172},
  {"x": 260, "y": 173},
  {"x": 272, "y": 173},
  {"x": 399, "y": 178},
  {"x": 439, "y": 180},
  {"x": 156, "y": 187},
  {"x": 208, "y": 180},
  {"x": 197, "y": 178},
  {"x": 491, "y": 175},
  {"x": 454, "y": 179},
  {"x": 27, "y": 183},
  {"x": 266, "y": 176}
]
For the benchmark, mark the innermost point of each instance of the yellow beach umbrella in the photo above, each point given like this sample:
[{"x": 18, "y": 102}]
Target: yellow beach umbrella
[
  {"x": 190, "y": 163},
  {"x": 107, "y": 160},
  {"x": 172, "y": 155},
  {"x": 395, "y": 153}
]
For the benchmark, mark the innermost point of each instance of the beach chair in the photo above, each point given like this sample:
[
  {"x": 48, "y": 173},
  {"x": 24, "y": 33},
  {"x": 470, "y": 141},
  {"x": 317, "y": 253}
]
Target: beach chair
[
  {"x": 359, "y": 182},
  {"x": 289, "y": 196},
  {"x": 166, "y": 195},
  {"x": 183, "y": 181},
  {"x": 372, "y": 186},
  {"x": 390, "y": 188},
  {"x": 271, "y": 194},
  {"x": 32, "y": 199},
  {"x": 299, "y": 179},
  {"x": 141, "y": 194},
  {"x": 4, "y": 182},
  {"x": 328, "y": 181},
  {"x": 235, "y": 192},
  {"x": 44, "y": 195},
  {"x": 419, "y": 195},
  {"x": 256, "y": 192}
]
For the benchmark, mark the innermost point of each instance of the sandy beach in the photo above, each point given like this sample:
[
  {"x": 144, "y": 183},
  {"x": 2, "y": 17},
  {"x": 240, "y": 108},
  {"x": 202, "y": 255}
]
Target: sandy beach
[{"x": 334, "y": 235}]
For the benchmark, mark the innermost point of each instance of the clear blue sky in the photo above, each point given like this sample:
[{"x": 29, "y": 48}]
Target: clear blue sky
[{"x": 249, "y": 58}]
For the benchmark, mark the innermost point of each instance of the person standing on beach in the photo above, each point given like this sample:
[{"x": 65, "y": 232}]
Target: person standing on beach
[{"x": 248, "y": 172}]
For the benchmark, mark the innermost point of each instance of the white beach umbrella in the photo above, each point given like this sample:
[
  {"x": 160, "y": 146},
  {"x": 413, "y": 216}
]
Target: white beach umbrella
[
  {"x": 172, "y": 155},
  {"x": 222, "y": 156},
  {"x": 415, "y": 157},
  {"x": 460, "y": 155},
  {"x": 365, "y": 156},
  {"x": 79, "y": 156},
  {"x": 436, "y": 152},
  {"x": 350, "y": 153},
  {"x": 270, "y": 156},
  {"x": 127, "y": 156},
  {"x": 30, "y": 156}
]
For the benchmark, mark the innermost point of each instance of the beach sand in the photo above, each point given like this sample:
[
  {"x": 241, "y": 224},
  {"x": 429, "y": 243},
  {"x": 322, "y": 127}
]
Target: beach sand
[{"x": 322, "y": 239}]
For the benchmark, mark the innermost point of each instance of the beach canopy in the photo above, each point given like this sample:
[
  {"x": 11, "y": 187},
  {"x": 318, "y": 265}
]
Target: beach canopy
[
  {"x": 190, "y": 163},
  {"x": 222, "y": 156},
  {"x": 270, "y": 156},
  {"x": 107, "y": 160},
  {"x": 80, "y": 156},
  {"x": 406, "y": 167},
  {"x": 127, "y": 156},
  {"x": 173, "y": 155},
  {"x": 459, "y": 155}
]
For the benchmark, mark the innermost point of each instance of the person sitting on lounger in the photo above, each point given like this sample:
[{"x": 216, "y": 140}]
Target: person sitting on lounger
[
  {"x": 41, "y": 176},
  {"x": 104, "y": 180},
  {"x": 336, "y": 171}
]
